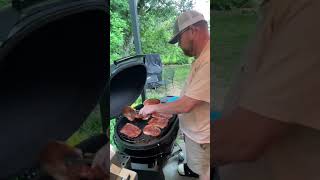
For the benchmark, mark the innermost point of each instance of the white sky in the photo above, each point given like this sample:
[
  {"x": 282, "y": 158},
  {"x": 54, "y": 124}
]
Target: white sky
[{"x": 203, "y": 6}]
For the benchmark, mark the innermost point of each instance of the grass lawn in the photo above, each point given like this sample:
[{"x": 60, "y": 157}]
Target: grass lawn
[
  {"x": 230, "y": 33},
  {"x": 92, "y": 125}
]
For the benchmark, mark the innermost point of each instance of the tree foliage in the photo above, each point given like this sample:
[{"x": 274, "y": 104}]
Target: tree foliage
[
  {"x": 156, "y": 18},
  {"x": 4, "y": 2}
]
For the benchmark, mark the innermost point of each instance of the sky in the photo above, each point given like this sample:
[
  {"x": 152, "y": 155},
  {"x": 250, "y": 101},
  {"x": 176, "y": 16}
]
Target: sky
[{"x": 203, "y": 6}]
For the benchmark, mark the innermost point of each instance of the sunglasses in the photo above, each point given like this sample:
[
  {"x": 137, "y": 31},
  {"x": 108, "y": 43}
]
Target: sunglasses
[{"x": 180, "y": 34}]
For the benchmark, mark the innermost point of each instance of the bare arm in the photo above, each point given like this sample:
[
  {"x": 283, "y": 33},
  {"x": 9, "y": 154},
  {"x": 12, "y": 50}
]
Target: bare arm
[
  {"x": 243, "y": 136},
  {"x": 183, "y": 105}
]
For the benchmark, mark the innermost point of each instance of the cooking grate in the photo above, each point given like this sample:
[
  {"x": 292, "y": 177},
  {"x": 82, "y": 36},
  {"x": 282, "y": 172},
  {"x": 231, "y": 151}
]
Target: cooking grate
[{"x": 142, "y": 138}]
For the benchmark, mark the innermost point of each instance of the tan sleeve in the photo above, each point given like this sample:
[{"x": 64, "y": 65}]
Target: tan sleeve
[
  {"x": 286, "y": 85},
  {"x": 199, "y": 88}
]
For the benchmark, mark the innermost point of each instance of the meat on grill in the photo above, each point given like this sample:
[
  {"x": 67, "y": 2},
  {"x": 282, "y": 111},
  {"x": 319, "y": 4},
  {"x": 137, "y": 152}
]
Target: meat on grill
[
  {"x": 143, "y": 117},
  {"x": 129, "y": 113},
  {"x": 151, "y": 102},
  {"x": 161, "y": 115},
  {"x": 151, "y": 130},
  {"x": 159, "y": 122},
  {"x": 130, "y": 130}
]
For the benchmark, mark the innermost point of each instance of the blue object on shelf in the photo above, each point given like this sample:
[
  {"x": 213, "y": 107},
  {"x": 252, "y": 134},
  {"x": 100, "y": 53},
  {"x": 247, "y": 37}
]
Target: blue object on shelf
[
  {"x": 215, "y": 115},
  {"x": 169, "y": 99}
]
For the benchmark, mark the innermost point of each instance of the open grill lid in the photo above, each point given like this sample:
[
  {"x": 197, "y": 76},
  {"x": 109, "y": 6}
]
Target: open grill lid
[
  {"x": 53, "y": 69},
  {"x": 127, "y": 81}
]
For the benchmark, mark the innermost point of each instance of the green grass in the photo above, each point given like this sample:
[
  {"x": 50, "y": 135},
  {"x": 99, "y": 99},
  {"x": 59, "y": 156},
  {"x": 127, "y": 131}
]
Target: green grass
[
  {"x": 90, "y": 127},
  {"x": 230, "y": 33}
]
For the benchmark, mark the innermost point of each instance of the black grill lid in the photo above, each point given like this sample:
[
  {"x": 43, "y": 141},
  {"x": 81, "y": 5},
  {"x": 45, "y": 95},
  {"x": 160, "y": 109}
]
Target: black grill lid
[
  {"x": 53, "y": 69},
  {"x": 128, "y": 78}
]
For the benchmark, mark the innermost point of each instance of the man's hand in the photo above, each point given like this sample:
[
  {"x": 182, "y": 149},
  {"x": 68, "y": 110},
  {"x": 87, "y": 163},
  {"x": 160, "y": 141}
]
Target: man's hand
[{"x": 148, "y": 109}]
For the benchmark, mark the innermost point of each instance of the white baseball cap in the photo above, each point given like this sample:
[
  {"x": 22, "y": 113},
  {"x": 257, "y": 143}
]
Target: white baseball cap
[{"x": 183, "y": 21}]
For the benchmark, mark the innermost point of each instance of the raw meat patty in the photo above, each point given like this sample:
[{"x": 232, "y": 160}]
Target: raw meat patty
[
  {"x": 129, "y": 113},
  {"x": 130, "y": 130},
  {"x": 151, "y": 102},
  {"x": 161, "y": 115},
  {"x": 140, "y": 116},
  {"x": 159, "y": 122},
  {"x": 151, "y": 130}
]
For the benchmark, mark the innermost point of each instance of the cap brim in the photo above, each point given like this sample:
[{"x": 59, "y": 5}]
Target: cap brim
[{"x": 174, "y": 39}]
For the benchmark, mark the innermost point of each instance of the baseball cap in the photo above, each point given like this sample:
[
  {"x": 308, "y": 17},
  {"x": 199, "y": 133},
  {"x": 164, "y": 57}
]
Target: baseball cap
[{"x": 183, "y": 21}]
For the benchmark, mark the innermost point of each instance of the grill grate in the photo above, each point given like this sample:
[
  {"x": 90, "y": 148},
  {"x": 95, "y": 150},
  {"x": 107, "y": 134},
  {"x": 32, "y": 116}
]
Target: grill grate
[{"x": 142, "y": 139}]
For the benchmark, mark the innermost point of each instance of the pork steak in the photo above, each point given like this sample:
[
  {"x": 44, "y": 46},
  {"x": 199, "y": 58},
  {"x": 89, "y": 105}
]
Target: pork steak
[
  {"x": 159, "y": 122},
  {"x": 129, "y": 113},
  {"x": 151, "y": 130},
  {"x": 130, "y": 130},
  {"x": 161, "y": 115}
]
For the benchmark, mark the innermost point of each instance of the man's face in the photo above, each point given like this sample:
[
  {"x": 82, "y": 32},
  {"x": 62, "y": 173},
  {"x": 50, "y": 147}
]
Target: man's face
[{"x": 186, "y": 42}]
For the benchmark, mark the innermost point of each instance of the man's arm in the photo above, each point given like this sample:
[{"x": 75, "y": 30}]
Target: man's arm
[
  {"x": 183, "y": 105},
  {"x": 243, "y": 136}
]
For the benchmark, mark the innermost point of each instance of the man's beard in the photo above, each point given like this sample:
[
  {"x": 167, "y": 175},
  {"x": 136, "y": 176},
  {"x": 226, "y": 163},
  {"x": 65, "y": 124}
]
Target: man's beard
[{"x": 188, "y": 51}]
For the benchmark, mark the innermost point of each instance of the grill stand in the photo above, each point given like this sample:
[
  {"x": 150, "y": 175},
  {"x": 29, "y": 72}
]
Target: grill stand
[{"x": 145, "y": 171}]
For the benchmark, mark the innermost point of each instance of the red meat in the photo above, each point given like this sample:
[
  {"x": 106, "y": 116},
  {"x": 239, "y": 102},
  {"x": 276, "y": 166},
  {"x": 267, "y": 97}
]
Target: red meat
[
  {"x": 130, "y": 130},
  {"x": 143, "y": 117},
  {"x": 159, "y": 122},
  {"x": 151, "y": 102},
  {"x": 161, "y": 115},
  {"x": 129, "y": 113},
  {"x": 151, "y": 130}
]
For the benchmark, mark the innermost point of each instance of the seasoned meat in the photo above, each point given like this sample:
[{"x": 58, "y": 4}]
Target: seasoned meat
[
  {"x": 129, "y": 113},
  {"x": 161, "y": 115},
  {"x": 151, "y": 102},
  {"x": 143, "y": 117},
  {"x": 151, "y": 130},
  {"x": 130, "y": 130},
  {"x": 159, "y": 122}
]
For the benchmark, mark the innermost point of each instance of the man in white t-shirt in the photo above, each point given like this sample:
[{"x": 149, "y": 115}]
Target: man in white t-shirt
[{"x": 193, "y": 107}]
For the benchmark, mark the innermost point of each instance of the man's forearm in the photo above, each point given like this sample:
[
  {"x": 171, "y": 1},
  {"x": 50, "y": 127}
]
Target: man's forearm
[
  {"x": 176, "y": 107},
  {"x": 226, "y": 146},
  {"x": 243, "y": 136},
  {"x": 183, "y": 105}
]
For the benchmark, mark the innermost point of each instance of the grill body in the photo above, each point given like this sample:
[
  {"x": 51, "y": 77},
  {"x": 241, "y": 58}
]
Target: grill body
[{"x": 151, "y": 149}]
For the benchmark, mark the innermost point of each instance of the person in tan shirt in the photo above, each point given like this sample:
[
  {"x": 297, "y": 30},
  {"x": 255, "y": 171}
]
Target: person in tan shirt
[
  {"x": 271, "y": 125},
  {"x": 193, "y": 107}
]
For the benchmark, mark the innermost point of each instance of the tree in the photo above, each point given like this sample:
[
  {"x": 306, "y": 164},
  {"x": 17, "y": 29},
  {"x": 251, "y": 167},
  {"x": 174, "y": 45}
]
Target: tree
[
  {"x": 156, "y": 19},
  {"x": 4, "y": 3}
]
